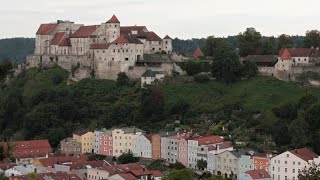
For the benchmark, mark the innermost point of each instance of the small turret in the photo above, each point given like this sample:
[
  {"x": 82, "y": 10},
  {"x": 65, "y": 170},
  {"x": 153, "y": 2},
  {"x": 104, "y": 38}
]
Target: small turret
[
  {"x": 113, "y": 29},
  {"x": 167, "y": 44}
]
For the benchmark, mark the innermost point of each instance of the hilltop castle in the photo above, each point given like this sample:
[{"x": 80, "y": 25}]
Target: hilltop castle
[{"x": 101, "y": 50}]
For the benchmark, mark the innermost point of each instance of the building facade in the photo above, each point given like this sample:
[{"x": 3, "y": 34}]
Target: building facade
[
  {"x": 142, "y": 146},
  {"x": 70, "y": 146}
]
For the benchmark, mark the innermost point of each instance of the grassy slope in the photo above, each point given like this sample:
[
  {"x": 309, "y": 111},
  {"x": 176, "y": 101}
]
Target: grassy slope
[{"x": 261, "y": 93}]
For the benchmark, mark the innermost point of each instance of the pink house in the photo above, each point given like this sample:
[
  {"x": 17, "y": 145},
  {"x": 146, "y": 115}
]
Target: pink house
[
  {"x": 105, "y": 143},
  {"x": 183, "y": 151}
]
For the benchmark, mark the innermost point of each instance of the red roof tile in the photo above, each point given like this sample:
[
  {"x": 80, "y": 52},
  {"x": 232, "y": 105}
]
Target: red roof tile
[
  {"x": 157, "y": 174},
  {"x": 142, "y": 172},
  {"x": 197, "y": 53},
  {"x": 127, "y": 176},
  {"x": 113, "y": 19},
  {"x": 151, "y": 36},
  {"x": 287, "y": 53},
  {"x": 51, "y": 161},
  {"x": 46, "y": 29},
  {"x": 84, "y": 31},
  {"x": 99, "y": 46},
  {"x": 5, "y": 166},
  {"x": 258, "y": 174},
  {"x": 55, "y": 176},
  {"x": 121, "y": 40},
  {"x": 304, "y": 154},
  {"x": 265, "y": 155},
  {"x": 58, "y": 37},
  {"x": 209, "y": 140},
  {"x": 129, "y": 167},
  {"x": 28, "y": 149},
  {"x": 65, "y": 42},
  {"x": 148, "y": 136},
  {"x": 167, "y": 37}
]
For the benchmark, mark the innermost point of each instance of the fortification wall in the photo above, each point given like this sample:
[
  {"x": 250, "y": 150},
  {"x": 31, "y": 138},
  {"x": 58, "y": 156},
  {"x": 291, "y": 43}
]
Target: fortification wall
[
  {"x": 136, "y": 71},
  {"x": 266, "y": 71}
]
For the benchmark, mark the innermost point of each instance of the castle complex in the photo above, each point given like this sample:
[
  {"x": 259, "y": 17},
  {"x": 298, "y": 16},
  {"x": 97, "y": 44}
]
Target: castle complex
[{"x": 102, "y": 50}]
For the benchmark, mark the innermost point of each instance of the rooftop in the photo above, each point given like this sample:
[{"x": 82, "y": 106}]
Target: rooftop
[{"x": 304, "y": 154}]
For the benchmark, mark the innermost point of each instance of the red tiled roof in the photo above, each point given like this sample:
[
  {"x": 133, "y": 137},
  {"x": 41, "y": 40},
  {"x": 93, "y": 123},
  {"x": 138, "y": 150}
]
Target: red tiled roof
[
  {"x": 295, "y": 52},
  {"x": 84, "y": 31},
  {"x": 65, "y": 42},
  {"x": 28, "y": 149},
  {"x": 265, "y": 155},
  {"x": 129, "y": 167},
  {"x": 133, "y": 28},
  {"x": 51, "y": 161},
  {"x": 113, "y": 19},
  {"x": 197, "y": 53},
  {"x": 167, "y": 37},
  {"x": 209, "y": 140},
  {"x": 258, "y": 174},
  {"x": 151, "y": 36},
  {"x": 55, "y": 176},
  {"x": 304, "y": 154},
  {"x": 142, "y": 172},
  {"x": 120, "y": 40},
  {"x": 157, "y": 174},
  {"x": 5, "y": 166},
  {"x": 128, "y": 176},
  {"x": 58, "y": 37},
  {"x": 46, "y": 29},
  {"x": 148, "y": 136},
  {"x": 99, "y": 46}
]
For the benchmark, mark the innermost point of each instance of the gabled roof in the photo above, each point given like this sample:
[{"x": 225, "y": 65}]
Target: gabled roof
[
  {"x": 28, "y": 149},
  {"x": 65, "y": 42},
  {"x": 51, "y": 161},
  {"x": 58, "y": 37},
  {"x": 258, "y": 174},
  {"x": 167, "y": 37},
  {"x": 127, "y": 176},
  {"x": 80, "y": 132},
  {"x": 142, "y": 172},
  {"x": 127, "y": 40},
  {"x": 84, "y": 31},
  {"x": 149, "y": 73},
  {"x": 128, "y": 29},
  {"x": 209, "y": 140},
  {"x": 157, "y": 174},
  {"x": 304, "y": 154},
  {"x": 113, "y": 19},
  {"x": 99, "y": 46},
  {"x": 295, "y": 52},
  {"x": 148, "y": 136},
  {"x": 46, "y": 29},
  {"x": 152, "y": 36},
  {"x": 197, "y": 53},
  {"x": 238, "y": 153}
]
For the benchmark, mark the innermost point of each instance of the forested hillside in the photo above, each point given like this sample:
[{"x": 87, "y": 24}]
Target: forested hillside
[
  {"x": 39, "y": 104},
  {"x": 16, "y": 49}
]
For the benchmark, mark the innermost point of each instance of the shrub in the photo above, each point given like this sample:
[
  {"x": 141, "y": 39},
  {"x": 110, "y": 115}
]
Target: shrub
[{"x": 201, "y": 78}]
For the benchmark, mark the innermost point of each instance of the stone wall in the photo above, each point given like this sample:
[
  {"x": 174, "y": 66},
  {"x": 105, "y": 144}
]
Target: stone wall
[{"x": 136, "y": 71}]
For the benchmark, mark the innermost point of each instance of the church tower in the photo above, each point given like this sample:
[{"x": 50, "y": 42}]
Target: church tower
[{"x": 113, "y": 29}]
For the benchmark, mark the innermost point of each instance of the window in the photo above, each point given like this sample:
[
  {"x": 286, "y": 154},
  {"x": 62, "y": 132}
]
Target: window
[
  {"x": 285, "y": 162},
  {"x": 293, "y": 171},
  {"x": 287, "y": 156},
  {"x": 285, "y": 169}
]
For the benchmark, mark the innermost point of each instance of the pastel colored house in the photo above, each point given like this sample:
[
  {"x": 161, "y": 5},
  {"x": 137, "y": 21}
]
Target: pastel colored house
[
  {"x": 142, "y": 146},
  {"x": 150, "y": 77},
  {"x": 105, "y": 143},
  {"x": 287, "y": 165},
  {"x": 156, "y": 146},
  {"x": 183, "y": 151},
  {"x": 228, "y": 163},
  {"x": 262, "y": 161},
  {"x": 164, "y": 143},
  {"x": 70, "y": 146},
  {"x": 87, "y": 139},
  {"x": 122, "y": 139},
  {"x": 246, "y": 164}
]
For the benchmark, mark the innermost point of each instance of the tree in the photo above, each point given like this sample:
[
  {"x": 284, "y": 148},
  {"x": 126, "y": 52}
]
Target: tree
[
  {"x": 5, "y": 69},
  {"x": 249, "y": 42},
  {"x": 226, "y": 66},
  {"x": 202, "y": 164},
  {"x": 249, "y": 70},
  {"x": 3, "y": 176},
  {"x": 307, "y": 101},
  {"x": 193, "y": 68},
  {"x": 201, "y": 78},
  {"x": 312, "y": 39},
  {"x": 177, "y": 166},
  {"x": 211, "y": 45},
  {"x": 298, "y": 132},
  {"x": 2, "y": 153},
  {"x": 285, "y": 41},
  {"x": 312, "y": 117},
  {"x": 185, "y": 174},
  {"x": 287, "y": 111},
  {"x": 127, "y": 158},
  {"x": 123, "y": 79},
  {"x": 153, "y": 104},
  {"x": 269, "y": 46},
  {"x": 313, "y": 173}
]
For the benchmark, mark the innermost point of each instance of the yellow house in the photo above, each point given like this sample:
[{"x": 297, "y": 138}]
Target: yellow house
[{"x": 87, "y": 139}]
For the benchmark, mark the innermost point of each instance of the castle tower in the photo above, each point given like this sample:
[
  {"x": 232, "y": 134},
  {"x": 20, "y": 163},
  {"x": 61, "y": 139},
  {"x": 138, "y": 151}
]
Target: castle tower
[
  {"x": 167, "y": 44},
  {"x": 113, "y": 29}
]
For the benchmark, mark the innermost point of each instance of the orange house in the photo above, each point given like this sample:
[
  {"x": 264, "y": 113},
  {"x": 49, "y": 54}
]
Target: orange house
[
  {"x": 156, "y": 146},
  {"x": 262, "y": 161}
]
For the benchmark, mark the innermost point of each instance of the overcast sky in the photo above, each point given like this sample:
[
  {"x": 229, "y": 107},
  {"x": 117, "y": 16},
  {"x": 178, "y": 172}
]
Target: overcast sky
[{"x": 178, "y": 18}]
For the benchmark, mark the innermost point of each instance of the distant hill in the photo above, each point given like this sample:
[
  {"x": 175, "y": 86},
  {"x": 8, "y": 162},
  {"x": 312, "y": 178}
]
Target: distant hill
[{"x": 16, "y": 49}]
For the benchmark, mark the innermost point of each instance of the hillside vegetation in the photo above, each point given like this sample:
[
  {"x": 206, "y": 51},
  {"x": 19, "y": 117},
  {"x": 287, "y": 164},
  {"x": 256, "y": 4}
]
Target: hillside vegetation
[
  {"x": 16, "y": 49},
  {"x": 39, "y": 104}
]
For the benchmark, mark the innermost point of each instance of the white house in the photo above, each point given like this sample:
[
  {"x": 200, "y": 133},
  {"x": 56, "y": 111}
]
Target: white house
[
  {"x": 23, "y": 170},
  {"x": 142, "y": 146},
  {"x": 288, "y": 164},
  {"x": 150, "y": 77}
]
